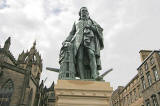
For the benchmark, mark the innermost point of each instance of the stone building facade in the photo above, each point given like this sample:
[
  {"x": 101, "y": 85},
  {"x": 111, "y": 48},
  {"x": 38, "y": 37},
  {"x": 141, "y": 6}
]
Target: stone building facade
[
  {"x": 130, "y": 95},
  {"x": 20, "y": 78},
  {"x": 144, "y": 88},
  {"x": 149, "y": 73}
]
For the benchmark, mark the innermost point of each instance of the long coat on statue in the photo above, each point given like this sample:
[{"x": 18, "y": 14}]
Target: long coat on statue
[{"x": 76, "y": 37}]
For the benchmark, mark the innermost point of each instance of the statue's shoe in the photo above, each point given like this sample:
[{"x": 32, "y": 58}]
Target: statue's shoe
[{"x": 98, "y": 78}]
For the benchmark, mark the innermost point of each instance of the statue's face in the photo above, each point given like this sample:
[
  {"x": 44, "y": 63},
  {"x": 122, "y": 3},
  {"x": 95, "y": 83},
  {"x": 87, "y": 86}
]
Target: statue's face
[{"x": 84, "y": 12}]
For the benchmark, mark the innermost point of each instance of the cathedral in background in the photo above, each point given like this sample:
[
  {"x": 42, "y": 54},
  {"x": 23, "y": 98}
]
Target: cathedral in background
[{"x": 20, "y": 79}]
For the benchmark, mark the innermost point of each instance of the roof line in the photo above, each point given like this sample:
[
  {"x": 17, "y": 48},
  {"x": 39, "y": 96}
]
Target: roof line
[
  {"x": 148, "y": 57},
  {"x": 130, "y": 82}
]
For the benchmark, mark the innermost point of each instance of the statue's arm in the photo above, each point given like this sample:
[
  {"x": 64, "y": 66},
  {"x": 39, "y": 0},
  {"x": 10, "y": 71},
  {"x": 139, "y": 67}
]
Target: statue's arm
[{"x": 71, "y": 34}]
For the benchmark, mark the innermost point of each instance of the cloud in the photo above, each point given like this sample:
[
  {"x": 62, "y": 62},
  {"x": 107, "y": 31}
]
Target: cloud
[
  {"x": 128, "y": 27},
  {"x": 3, "y": 4}
]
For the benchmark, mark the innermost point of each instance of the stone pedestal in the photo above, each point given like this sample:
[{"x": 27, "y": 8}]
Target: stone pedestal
[{"x": 82, "y": 93}]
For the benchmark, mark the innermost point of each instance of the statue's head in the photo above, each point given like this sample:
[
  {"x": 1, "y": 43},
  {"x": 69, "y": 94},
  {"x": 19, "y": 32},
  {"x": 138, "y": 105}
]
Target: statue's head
[{"x": 83, "y": 12}]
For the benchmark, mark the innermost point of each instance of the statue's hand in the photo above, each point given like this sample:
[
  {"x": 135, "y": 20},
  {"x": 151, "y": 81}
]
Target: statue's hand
[
  {"x": 91, "y": 27},
  {"x": 87, "y": 26},
  {"x": 66, "y": 44}
]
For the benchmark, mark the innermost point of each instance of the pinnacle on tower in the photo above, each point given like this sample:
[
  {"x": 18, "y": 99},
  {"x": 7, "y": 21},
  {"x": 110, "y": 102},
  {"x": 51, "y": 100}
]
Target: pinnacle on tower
[
  {"x": 7, "y": 43},
  {"x": 34, "y": 44}
]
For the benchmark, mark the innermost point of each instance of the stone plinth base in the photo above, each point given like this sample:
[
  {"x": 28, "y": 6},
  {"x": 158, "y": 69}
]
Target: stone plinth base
[{"x": 82, "y": 93}]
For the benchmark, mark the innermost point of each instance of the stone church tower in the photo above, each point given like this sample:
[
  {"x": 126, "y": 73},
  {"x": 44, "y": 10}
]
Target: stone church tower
[{"x": 19, "y": 79}]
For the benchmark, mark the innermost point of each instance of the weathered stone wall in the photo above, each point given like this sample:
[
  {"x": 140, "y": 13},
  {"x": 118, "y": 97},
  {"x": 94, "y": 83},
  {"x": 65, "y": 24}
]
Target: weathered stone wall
[
  {"x": 34, "y": 87},
  {"x": 18, "y": 80},
  {"x": 152, "y": 88}
]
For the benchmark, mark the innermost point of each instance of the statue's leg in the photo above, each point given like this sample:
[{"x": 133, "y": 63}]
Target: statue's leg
[
  {"x": 92, "y": 61},
  {"x": 80, "y": 65}
]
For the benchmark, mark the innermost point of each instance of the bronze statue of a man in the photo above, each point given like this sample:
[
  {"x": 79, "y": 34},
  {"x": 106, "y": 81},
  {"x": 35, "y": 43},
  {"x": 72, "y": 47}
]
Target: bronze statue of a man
[{"x": 86, "y": 38}]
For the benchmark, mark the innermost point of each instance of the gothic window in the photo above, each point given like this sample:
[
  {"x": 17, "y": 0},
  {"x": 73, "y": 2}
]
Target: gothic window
[
  {"x": 52, "y": 94},
  {"x": 138, "y": 91},
  {"x": 159, "y": 95},
  {"x": 149, "y": 79},
  {"x": 123, "y": 100},
  {"x": 127, "y": 99},
  {"x": 154, "y": 100},
  {"x": 8, "y": 85},
  {"x": 143, "y": 83},
  {"x": 135, "y": 95},
  {"x": 6, "y": 93},
  {"x": 155, "y": 73},
  {"x": 159, "y": 53},
  {"x": 141, "y": 71},
  {"x": 130, "y": 97},
  {"x": 146, "y": 66},
  {"x": 34, "y": 58},
  {"x": 147, "y": 102},
  {"x": 151, "y": 60}
]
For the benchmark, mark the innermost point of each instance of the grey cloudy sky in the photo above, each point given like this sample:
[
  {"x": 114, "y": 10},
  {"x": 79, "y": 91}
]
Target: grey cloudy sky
[{"x": 129, "y": 26}]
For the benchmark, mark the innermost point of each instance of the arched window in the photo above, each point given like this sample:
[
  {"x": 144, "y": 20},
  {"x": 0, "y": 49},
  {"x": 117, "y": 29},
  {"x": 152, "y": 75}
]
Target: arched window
[
  {"x": 6, "y": 92},
  {"x": 8, "y": 85},
  {"x": 154, "y": 100}
]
